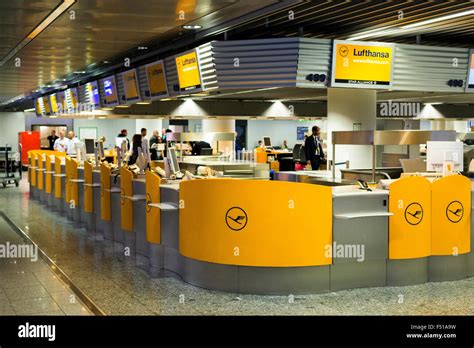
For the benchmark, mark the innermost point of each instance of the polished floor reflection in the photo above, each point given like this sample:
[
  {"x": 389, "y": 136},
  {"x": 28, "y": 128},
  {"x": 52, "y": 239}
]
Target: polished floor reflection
[
  {"x": 27, "y": 285},
  {"x": 121, "y": 286}
]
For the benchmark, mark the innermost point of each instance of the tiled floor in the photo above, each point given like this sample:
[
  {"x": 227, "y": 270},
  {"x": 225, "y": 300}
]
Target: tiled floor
[
  {"x": 28, "y": 287},
  {"x": 122, "y": 288}
]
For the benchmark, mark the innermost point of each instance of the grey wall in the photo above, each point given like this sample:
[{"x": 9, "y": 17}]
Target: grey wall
[
  {"x": 109, "y": 128},
  {"x": 10, "y": 124}
]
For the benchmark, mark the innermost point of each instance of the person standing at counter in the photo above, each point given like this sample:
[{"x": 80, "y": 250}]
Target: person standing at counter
[
  {"x": 153, "y": 141},
  {"x": 136, "y": 143},
  {"x": 61, "y": 143},
  {"x": 123, "y": 134},
  {"x": 314, "y": 149},
  {"x": 73, "y": 141},
  {"x": 52, "y": 139}
]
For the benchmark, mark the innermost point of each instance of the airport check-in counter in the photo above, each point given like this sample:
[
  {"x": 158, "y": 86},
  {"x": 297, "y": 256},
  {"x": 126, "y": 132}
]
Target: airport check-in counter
[
  {"x": 217, "y": 234},
  {"x": 110, "y": 204}
]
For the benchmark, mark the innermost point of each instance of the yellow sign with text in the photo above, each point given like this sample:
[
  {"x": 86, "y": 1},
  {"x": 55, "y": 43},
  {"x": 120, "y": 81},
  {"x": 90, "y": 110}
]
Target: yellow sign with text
[
  {"x": 188, "y": 71},
  {"x": 362, "y": 65},
  {"x": 130, "y": 83},
  {"x": 155, "y": 73}
]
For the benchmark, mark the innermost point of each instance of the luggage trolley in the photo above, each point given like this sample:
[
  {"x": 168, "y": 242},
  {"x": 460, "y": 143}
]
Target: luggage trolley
[{"x": 10, "y": 167}]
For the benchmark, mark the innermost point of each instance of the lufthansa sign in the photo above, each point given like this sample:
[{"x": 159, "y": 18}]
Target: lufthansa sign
[{"x": 362, "y": 64}]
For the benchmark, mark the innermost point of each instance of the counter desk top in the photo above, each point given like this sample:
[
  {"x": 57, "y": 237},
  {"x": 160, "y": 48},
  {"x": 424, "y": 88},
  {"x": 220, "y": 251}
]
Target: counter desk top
[{"x": 353, "y": 190}]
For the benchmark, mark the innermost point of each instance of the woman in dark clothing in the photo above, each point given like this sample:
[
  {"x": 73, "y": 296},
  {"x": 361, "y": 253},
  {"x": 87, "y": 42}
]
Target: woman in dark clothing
[{"x": 136, "y": 143}]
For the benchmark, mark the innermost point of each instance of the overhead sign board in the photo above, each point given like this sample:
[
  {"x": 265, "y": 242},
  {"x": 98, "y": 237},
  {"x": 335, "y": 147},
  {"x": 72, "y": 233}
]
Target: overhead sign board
[
  {"x": 358, "y": 64},
  {"x": 110, "y": 91},
  {"x": 156, "y": 76},
  {"x": 130, "y": 83},
  {"x": 189, "y": 76},
  {"x": 92, "y": 90}
]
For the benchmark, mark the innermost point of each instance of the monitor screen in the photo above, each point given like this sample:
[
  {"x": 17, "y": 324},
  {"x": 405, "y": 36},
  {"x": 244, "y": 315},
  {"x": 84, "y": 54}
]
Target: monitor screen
[
  {"x": 130, "y": 84},
  {"x": 89, "y": 146},
  {"x": 173, "y": 160},
  {"x": 267, "y": 142},
  {"x": 110, "y": 91},
  {"x": 156, "y": 76},
  {"x": 189, "y": 76}
]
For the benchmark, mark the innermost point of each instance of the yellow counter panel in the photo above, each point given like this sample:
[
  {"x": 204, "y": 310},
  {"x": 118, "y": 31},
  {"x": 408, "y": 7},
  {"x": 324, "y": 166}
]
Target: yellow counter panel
[
  {"x": 88, "y": 190},
  {"x": 410, "y": 224},
  {"x": 57, "y": 179},
  {"x": 255, "y": 223},
  {"x": 48, "y": 176},
  {"x": 153, "y": 215},
  {"x": 105, "y": 173},
  {"x": 451, "y": 206},
  {"x": 126, "y": 205}
]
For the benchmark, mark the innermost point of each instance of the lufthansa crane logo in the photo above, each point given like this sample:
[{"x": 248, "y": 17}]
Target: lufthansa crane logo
[
  {"x": 343, "y": 51},
  {"x": 414, "y": 214},
  {"x": 455, "y": 211},
  {"x": 236, "y": 218}
]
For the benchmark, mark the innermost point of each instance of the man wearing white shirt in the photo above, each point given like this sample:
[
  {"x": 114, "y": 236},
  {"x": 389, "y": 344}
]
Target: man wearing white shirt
[
  {"x": 73, "y": 141},
  {"x": 62, "y": 143}
]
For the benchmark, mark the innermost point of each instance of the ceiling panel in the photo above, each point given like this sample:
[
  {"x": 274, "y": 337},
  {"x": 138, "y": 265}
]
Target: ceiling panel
[{"x": 100, "y": 30}]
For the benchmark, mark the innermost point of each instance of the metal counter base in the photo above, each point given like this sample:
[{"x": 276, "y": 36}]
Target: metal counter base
[
  {"x": 407, "y": 272},
  {"x": 248, "y": 280}
]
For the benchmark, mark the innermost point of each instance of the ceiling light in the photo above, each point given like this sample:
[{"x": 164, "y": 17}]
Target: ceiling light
[
  {"x": 29, "y": 110},
  {"x": 192, "y": 27},
  {"x": 143, "y": 103},
  {"x": 386, "y": 31},
  {"x": 102, "y": 117},
  {"x": 122, "y": 106},
  {"x": 53, "y": 116},
  {"x": 79, "y": 72},
  {"x": 58, "y": 11}
]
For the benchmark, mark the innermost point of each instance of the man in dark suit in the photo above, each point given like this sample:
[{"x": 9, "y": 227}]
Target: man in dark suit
[{"x": 313, "y": 148}]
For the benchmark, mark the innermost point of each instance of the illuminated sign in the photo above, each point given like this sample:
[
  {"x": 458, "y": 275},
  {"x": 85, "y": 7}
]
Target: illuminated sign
[
  {"x": 54, "y": 103},
  {"x": 470, "y": 74},
  {"x": 92, "y": 90},
  {"x": 155, "y": 73},
  {"x": 61, "y": 101},
  {"x": 39, "y": 107},
  {"x": 130, "y": 84},
  {"x": 362, "y": 64},
  {"x": 46, "y": 107},
  {"x": 110, "y": 91},
  {"x": 188, "y": 71}
]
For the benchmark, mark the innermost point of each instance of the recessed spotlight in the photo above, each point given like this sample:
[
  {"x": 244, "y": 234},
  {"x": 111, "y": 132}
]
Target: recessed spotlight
[
  {"x": 192, "y": 27},
  {"x": 79, "y": 72}
]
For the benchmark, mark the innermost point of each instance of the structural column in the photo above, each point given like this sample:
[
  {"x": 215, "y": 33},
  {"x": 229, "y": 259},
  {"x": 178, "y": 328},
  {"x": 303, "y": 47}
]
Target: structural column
[{"x": 351, "y": 109}]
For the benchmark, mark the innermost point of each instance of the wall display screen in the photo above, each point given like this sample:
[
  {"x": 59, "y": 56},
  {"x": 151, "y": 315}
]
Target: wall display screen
[
  {"x": 188, "y": 71},
  {"x": 46, "y": 106},
  {"x": 92, "y": 89},
  {"x": 39, "y": 107},
  {"x": 156, "y": 76},
  {"x": 301, "y": 132},
  {"x": 130, "y": 83},
  {"x": 470, "y": 73},
  {"x": 357, "y": 64},
  {"x": 53, "y": 102},
  {"x": 110, "y": 91}
]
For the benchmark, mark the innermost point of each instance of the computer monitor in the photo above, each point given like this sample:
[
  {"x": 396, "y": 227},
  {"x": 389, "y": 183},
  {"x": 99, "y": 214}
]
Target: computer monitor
[
  {"x": 173, "y": 160},
  {"x": 206, "y": 151},
  {"x": 89, "y": 146},
  {"x": 267, "y": 142},
  {"x": 437, "y": 152}
]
